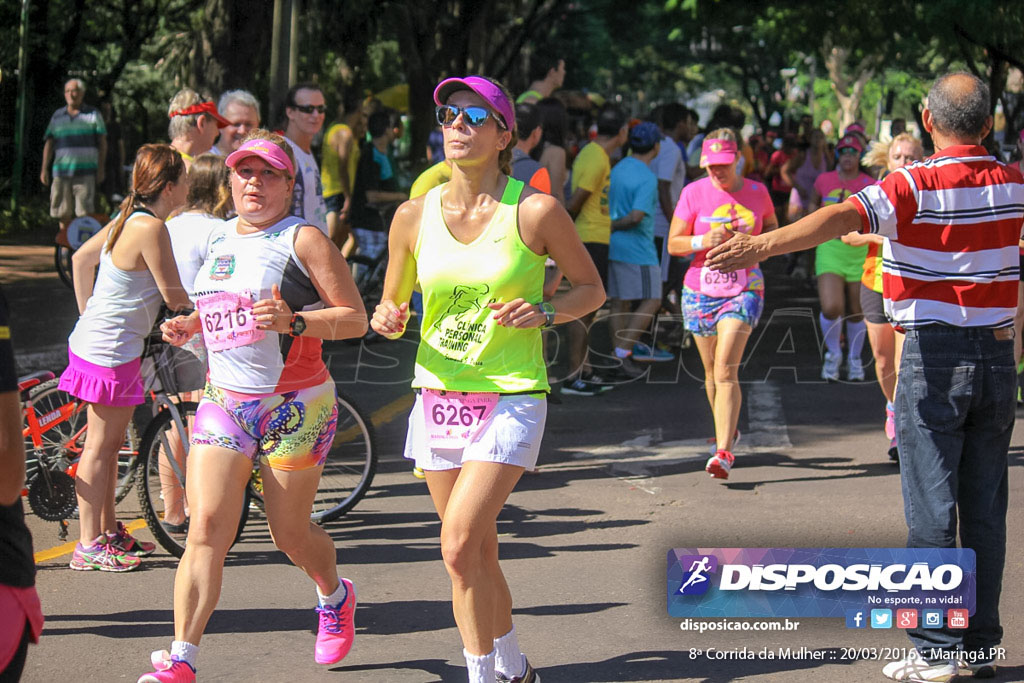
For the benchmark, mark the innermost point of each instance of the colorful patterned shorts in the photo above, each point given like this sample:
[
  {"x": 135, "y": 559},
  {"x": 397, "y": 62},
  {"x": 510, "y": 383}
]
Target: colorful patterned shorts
[
  {"x": 701, "y": 313},
  {"x": 290, "y": 431}
]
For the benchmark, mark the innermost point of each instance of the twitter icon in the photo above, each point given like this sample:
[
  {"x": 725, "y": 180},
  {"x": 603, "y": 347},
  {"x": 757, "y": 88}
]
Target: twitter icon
[{"x": 881, "y": 618}]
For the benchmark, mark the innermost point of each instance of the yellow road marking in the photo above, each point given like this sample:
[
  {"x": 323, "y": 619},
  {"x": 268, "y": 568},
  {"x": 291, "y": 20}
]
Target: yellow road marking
[
  {"x": 381, "y": 416},
  {"x": 387, "y": 413},
  {"x": 68, "y": 548}
]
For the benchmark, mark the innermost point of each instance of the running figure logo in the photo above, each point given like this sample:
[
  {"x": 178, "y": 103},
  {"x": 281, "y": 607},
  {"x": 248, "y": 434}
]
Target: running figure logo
[
  {"x": 464, "y": 298},
  {"x": 696, "y": 580}
]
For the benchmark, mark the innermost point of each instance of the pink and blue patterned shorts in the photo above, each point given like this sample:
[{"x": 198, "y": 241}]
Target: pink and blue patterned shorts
[{"x": 701, "y": 313}]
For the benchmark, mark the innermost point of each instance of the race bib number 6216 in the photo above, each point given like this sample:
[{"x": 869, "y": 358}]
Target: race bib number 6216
[{"x": 227, "y": 320}]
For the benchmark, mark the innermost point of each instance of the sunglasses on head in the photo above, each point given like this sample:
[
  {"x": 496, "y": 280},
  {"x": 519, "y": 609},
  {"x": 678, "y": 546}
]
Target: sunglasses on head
[
  {"x": 310, "y": 108},
  {"x": 472, "y": 115}
]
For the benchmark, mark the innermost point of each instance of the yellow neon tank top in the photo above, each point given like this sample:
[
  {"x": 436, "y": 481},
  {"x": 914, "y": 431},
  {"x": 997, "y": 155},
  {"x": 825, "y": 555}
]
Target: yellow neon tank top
[
  {"x": 461, "y": 347},
  {"x": 329, "y": 177}
]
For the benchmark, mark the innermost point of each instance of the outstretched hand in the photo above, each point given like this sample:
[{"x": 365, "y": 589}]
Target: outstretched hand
[{"x": 738, "y": 252}]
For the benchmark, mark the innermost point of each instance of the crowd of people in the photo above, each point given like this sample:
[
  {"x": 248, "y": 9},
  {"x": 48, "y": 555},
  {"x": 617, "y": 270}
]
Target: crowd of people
[{"x": 662, "y": 218}]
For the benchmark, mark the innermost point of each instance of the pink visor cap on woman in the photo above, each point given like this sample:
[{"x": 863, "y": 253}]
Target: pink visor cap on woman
[
  {"x": 491, "y": 94},
  {"x": 715, "y": 151},
  {"x": 264, "y": 149}
]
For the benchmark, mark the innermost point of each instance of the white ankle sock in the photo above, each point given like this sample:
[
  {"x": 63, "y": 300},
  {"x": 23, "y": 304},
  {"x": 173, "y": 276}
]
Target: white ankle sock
[
  {"x": 339, "y": 595},
  {"x": 508, "y": 660},
  {"x": 186, "y": 652},
  {"x": 831, "y": 330},
  {"x": 481, "y": 667}
]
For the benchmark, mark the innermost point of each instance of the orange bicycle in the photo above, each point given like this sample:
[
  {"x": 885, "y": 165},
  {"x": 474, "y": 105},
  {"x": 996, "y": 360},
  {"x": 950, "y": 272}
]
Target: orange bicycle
[{"x": 54, "y": 428}]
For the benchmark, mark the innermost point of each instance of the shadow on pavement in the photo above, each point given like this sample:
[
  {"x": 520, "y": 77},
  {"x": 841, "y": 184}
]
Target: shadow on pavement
[
  {"x": 155, "y": 623},
  {"x": 439, "y": 669}
]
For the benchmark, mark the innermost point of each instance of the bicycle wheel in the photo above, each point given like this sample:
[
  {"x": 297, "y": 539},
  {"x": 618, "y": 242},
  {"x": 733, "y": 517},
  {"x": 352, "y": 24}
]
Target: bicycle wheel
[
  {"x": 162, "y": 484},
  {"x": 63, "y": 423},
  {"x": 62, "y": 262},
  {"x": 351, "y": 464}
]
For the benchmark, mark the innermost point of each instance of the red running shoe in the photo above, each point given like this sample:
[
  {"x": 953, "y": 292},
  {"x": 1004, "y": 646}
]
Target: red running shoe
[{"x": 719, "y": 464}]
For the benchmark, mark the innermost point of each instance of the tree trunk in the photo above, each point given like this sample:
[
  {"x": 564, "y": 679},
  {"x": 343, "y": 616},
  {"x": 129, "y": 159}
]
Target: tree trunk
[{"x": 848, "y": 87}]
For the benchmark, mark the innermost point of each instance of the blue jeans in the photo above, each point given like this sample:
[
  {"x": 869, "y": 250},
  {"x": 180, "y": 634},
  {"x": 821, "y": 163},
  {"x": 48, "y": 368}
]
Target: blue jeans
[{"x": 955, "y": 409}]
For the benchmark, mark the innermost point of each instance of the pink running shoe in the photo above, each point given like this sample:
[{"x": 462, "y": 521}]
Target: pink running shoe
[
  {"x": 102, "y": 555},
  {"x": 337, "y": 629},
  {"x": 890, "y": 424},
  {"x": 168, "y": 670},
  {"x": 719, "y": 464},
  {"x": 130, "y": 545}
]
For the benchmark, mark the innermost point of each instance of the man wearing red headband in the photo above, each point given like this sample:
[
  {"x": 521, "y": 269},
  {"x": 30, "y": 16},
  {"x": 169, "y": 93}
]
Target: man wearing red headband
[{"x": 194, "y": 124}]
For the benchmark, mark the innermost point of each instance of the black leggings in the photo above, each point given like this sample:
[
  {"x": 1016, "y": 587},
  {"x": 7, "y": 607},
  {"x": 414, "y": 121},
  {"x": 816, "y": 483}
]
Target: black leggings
[{"x": 12, "y": 674}]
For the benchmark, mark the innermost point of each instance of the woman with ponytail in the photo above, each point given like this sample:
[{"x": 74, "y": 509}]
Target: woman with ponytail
[{"x": 136, "y": 274}]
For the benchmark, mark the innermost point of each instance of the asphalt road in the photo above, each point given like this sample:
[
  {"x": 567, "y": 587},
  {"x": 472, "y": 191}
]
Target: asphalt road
[{"x": 583, "y": 542}]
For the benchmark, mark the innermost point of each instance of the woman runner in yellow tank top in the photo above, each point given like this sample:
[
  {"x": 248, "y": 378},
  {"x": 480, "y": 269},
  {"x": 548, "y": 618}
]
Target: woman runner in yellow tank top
[{"x": 477, "y": 246}]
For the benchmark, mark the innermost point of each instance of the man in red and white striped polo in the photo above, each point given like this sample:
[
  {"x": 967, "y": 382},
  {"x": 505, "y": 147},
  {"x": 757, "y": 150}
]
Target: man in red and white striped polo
[{"x": 950, "y": 278}]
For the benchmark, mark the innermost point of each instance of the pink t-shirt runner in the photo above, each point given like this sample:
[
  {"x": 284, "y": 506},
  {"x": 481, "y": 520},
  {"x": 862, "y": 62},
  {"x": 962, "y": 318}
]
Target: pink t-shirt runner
[
  {"x": 832, "y": 189},
  {"x": 704, "y": 206}
]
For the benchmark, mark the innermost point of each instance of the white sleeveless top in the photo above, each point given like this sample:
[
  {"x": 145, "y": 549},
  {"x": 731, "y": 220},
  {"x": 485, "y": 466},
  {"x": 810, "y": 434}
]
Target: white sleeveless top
[
  {"x": 250, "y": 264},
  {"x": 120, "y": 313},
  {"x": 190, "y": 235}
]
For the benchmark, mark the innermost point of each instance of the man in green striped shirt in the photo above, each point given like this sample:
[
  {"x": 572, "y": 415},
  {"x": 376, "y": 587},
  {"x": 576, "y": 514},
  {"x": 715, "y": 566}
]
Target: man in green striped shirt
[{"x": 76, "y": 146}]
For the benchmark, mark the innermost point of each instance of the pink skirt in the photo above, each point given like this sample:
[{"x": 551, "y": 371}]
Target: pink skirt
[{"x": 117, "y": 386}]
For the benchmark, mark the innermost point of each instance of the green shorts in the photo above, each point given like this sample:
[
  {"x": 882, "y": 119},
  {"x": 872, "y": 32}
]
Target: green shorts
[{"x": 840, "y": 259}]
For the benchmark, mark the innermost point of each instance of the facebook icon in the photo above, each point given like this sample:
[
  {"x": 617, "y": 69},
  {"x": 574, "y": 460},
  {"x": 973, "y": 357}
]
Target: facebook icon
[{"x": 856, "y": 618}]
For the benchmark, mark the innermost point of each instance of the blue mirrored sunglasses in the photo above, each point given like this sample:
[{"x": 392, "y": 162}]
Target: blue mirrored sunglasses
[{"x": 473, "y": 116}]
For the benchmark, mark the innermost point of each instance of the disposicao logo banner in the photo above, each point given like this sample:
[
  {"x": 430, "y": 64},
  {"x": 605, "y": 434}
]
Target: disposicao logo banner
[{"x": 816, "y": 582}]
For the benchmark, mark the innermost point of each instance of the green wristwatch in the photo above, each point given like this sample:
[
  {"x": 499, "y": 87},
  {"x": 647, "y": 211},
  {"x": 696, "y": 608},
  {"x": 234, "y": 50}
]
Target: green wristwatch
[{"x": 549, "y": 312}]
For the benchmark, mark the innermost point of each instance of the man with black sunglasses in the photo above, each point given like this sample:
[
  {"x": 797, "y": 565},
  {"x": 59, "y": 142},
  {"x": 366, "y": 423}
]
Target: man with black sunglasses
[{"x": 304, "y": 107}]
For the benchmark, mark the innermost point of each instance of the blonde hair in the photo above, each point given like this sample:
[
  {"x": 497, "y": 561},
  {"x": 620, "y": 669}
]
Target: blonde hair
[
  {"x": 878, "y": 153},
  {"x": 208, "y": 188},
  {"x": 722, "y": 134},
  {"x": 262, "y": 134}
]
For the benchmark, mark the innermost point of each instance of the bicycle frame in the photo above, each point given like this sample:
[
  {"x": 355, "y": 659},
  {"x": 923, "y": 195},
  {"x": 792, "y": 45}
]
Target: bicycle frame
[{"x": 162, "y": 401}]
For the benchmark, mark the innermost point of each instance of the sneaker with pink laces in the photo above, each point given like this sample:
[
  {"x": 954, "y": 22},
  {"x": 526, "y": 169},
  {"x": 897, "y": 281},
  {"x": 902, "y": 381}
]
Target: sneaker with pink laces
[
  {"x": 337, "y": 628},
  {"x": 168, "y": 670},
  {"x": 102, "y": 555},
  {"x": 130, "y": 545},
  {"x": 719, "y": 464}
]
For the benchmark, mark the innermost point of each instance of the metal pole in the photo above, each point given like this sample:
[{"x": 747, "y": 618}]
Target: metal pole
[{"x": 19, "y": 125}]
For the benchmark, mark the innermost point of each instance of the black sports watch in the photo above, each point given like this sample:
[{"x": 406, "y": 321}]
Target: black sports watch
[
  {"x": 549, "y": 313},
  {"x": 297, "y": 326}
]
